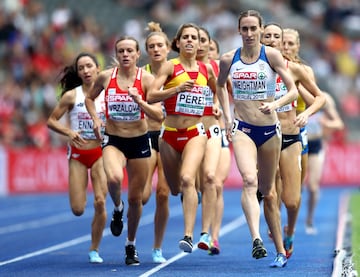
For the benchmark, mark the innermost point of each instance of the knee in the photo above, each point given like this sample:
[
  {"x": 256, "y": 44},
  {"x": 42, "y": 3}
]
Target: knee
[
  {"x": 186, "y": 181},
  {"x": 210, "y": 180},
  {"x": 135, "y": 201},
  {"x": 99, "y": 205},
  {"x": 77, "y": 210},
  {"x": 113, "y": 179},
  {"x": 271, "y": 196},
  {"x": 250, "y": 180},
  {"x": 219, "y": 189},
  {"x": 313, "y": 189},
  {"x": 162, "y": 195},
  {"x": 146, "y": 196}
]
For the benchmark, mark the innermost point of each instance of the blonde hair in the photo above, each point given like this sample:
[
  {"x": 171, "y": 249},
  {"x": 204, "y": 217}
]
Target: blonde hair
[
  {"x": 297, "y": 41},
  {"x": 154, "y": 29}
]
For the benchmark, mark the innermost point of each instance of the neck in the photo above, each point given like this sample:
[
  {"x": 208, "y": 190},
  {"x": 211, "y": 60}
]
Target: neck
[
  {"x": 127, "y": 71},
  {"x": 87, "y": 87},
  {"x": 204, "y": 59},
  {"x": 250, "y": 52},
  {"x": 155, "y": 66},
  {"x": 188, "y": 62}
]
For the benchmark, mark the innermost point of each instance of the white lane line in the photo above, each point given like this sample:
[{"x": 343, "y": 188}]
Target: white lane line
[
  {"x": 145, "y": 220},
  {"x": 33, "y": 224},
  {"x": 224, "y": 230},
  {"x": 48, "y": 250}
]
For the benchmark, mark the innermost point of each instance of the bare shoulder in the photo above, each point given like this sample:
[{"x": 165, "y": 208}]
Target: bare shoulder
[
  {"x": 68, "y": 97},
  {"x": 309, "y": 70},
  {"x": 146, "y": 76},
  {"x": 273, "y": 54},
  {"x": 210, "y": 69},
  {"x": 227, "y": 57},
  {"x": 104, "y": 76},
  {"x": 106, "y": 73},
  {"x": 166, "y": 69},
  {"x": 296, "y": 68}
]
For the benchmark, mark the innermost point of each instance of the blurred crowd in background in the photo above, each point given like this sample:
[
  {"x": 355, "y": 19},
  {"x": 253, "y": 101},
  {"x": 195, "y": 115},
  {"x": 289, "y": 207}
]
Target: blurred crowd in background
[{"x": 39, "y": 37}]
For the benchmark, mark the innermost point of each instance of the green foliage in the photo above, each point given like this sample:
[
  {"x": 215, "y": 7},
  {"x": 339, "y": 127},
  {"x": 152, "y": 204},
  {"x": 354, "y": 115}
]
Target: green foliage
[{"x": 355, "y": 212}]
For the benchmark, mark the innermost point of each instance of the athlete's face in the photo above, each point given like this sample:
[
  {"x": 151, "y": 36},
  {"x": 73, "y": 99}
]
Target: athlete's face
[
  {"x": 213, "y": 51},
  {"x": 204, "y": 45},
  {"x": 272, "y": 36},
  {"x": 157, "y": 48},
  {"x": 189, "y": 41},
  {"x": 127, "y": 53},
  {"x": 290, "y": 45},
  {"x": 87, "y": 69},
  {"x": 250, "y": 30}
]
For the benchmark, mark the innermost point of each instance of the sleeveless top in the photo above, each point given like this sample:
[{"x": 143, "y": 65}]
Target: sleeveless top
[
  {"x": 209, "y": 98},
  {"x": 215, "y": 67},
  {"x": 80, "y": 119},
  {"x": 119, "y": 104},
  {"x": 301, "y": 105},
  {"x": 280, "y": 91},
  {"x": 255, "y": 81},
  {"x": 188, "y": 103},
  {"x": 314, "y": 126}
]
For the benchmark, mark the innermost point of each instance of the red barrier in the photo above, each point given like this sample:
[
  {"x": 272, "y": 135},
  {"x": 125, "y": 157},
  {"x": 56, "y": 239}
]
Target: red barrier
[
  {"x": 34, "y": 170},
  {"x": 342, "y": 165}
]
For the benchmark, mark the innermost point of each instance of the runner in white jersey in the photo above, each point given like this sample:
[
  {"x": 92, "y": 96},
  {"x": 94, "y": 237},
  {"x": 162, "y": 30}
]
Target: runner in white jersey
[
  {"x": 84, "y": 149},
  {"x": 319, "y": 128},
  {"x": 255, "y": 132},
  {"x": 80, "y": 120}
]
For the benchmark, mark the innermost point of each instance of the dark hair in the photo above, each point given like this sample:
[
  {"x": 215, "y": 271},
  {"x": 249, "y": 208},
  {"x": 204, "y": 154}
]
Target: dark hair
[
  {"x": 155, "y": 29},
  {"x": 70, "y": 78},
  {"x": 206, "y": 32},
  {"x": 251, "y": 13},
  {"x": 282, "y": 35},
  {"x": 276, "y": 25},
  {"x": 273, "y": 24},
  {"x": 179, "y": 33},
  {"x": 217, "y": 45}
]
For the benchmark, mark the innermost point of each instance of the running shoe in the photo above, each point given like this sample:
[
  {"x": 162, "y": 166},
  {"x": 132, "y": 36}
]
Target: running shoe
[
  {"x": 198, "y": 195},
  {"x": 186, "y": 245},
  {"x": 259, "y": 196},
  {"x": 258, "y": 250},
  {"x": 310, "y": 230},
  {"x": 280, "y": 261},
  {"x": 214, "y": 248},
  {"x": 131, "y": 256},
  {"x": 116, "y": 225},
  {"x": 157, "y": 256},
  {"x": 204, "y": 242},
  {"x": 94, "y": 257}
]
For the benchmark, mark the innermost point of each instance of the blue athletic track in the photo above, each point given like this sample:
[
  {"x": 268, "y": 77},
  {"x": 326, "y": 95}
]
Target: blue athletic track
[{"x": 39, "y": 236}]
